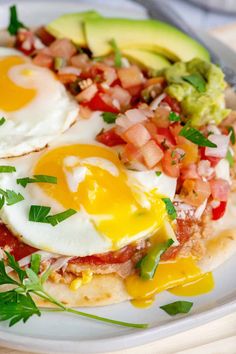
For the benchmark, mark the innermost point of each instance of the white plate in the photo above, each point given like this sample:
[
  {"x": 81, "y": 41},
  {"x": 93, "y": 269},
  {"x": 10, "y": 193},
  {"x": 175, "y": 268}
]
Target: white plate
[{"x": 70, "y": 334}]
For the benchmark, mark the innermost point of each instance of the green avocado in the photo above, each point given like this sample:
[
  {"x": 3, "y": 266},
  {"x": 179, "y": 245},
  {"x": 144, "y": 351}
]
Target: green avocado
[
  {"x": 151, "y": 35},
  {"x": 202, "y": 98},
  {"x": 71, "y": 26},
  {"x": 146, "y": 59}
]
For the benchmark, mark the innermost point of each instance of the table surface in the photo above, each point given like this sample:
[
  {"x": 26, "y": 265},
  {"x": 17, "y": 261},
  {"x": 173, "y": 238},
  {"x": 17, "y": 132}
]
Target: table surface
[{"x": 219, "y": 336}]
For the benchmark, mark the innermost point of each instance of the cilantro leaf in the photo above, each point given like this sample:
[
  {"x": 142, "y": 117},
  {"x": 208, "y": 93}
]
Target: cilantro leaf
[
  {"x": 232, "y": 134},
  {"x": 14, "y": 24},
  {"x": 149, "y": 263},
  {"x": 118, "y": 62},
  {"x": 7, "y": 169},
  {"x": 35, "y": 262},
  {"x": 197, "y": 81},
  {"x": 158, "y": 173},
  {"x": 4, "y": 277},
  {"x": 12, "y": 263},
  {"x": 173, "y": 117},
  {"x": 36, "y": 179},
  {"x": 109, "y": 117},
  {"x": 2, "y": 201},
  {"x": 21, "y": 310},
  {"x": 2, "y": 121},
  {"x": 195, "y": 136},
  {"x": 177, "y": 307},
  {"x": 39, "y": 213},
  {"x": 170, "y": 208},
  {"x": 11, "y": 197},
  {"x": 57, "y": 218}
]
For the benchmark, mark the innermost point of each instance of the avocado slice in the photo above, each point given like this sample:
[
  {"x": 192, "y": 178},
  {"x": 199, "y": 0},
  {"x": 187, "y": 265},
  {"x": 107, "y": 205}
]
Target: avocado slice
[
  {"x": 71, "y": 26},
  {"x": 155, "y": 36},
  {"x": 146, "y": 59}
]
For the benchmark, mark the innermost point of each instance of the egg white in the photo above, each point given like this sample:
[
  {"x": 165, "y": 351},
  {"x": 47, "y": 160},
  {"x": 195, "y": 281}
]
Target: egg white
[
  {"x": 44, "y": 118},
  {"x": 76, "y": 236}
]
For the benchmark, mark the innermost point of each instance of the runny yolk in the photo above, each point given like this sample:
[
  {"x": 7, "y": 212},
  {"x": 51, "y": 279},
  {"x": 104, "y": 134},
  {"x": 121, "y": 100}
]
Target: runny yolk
[
  {"x": 170, "y": 275},
  {"x": 200, "y": 286},
  {"x": 112, "y": 204},
  {"x": 13, "y": 97}
]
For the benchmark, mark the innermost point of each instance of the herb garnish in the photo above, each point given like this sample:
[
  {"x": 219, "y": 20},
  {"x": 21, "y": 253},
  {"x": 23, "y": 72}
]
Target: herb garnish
[
  {"x": 7, "y": 169},
  {"x": 11, "y": 196},
  {"x": 177, "y": 307},
  {"x": 173, "y": 117},
  {"x": 149, "y": 263},
  {"x": 158, "y": 173},
  {"x": 39, "y": 213},
  {"x": 170, "y": 208},
  {"x": 195, "y": 136},
  {"x": 232, "y": 134},
  {"x": 14, "y": 24},
  {"x": 18, "y": 305},
  {"x": 118, "y": 61},
  {"x": 2, "y": 121},
  {"x": 197, "y": 81},
  {"x": 36, "y": 179},
  {"x": 35, "y": 262},
  {"x": 109, "y": 117}
]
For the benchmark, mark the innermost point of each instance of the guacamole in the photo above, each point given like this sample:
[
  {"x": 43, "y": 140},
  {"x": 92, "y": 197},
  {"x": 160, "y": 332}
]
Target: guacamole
[{"x": 200, "y": 106}]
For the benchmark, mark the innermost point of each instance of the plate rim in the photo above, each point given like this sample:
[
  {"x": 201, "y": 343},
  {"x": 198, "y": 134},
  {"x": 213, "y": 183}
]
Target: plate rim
[{"x": 122, "y": 341}]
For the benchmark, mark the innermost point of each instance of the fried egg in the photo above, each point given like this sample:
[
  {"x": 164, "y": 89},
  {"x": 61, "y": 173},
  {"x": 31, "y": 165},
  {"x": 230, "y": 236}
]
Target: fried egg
[
  {"x": 114, "y": 206},
  {"x": 35, "y": 105}
]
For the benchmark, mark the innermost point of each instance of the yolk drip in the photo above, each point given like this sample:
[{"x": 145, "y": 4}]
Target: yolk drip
[
  {"x": 199, "y": 286},
  {"x": 13, "y": 97},
  {"x": 168, "y": 275},
  {"x": 109, "y": 200}
]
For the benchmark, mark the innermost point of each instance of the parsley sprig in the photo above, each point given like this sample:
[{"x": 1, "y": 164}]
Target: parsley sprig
[
  {"x": 195, "y": 136},
  {"x": 18, "y": 304},
  {"x": 36, "y": 179},
  {"x": 39, "y": 213}
]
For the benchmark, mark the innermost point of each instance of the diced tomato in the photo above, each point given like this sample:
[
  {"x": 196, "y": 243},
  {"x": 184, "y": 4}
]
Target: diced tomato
[
  {"x": 110, "y": 138},
  {"x": 195, "y": 192},
  {"x": 44, "y": 60},
  {"x": 45, "y": 36},
  {"x": 87, "y": 94},
  {"x": 165, "y": 132},
  {"x": 213, "y": 160},
  {"x": 173, "y": 103},
  {"x": 191, "y": 153},
  {"x": 25, "y": 41},
  {"x": 183, "y": 233},
  {"x": 120, "y": 256},
  {"x": 97, "y": 104},
  {"x": 135, "y": 91},
  {"x": 155, "y": 81},
  {"x": 130, "y": 77},
  {"x": 220, "y": 189},
  {"x": 219, "y": 211},
  {"x": 161, "y": 117},
  {"x": 131, "y": 153},
  {"x": 63, "y": 48},
  {"x": 152, "y": 154},
  {"x": 171, "y": 163},
  {"x": 81, "y": 61},
  {"x": 137, "y": 135},
  {"x": 189, "y": 172},
  {"x": 9, "y": 242}
]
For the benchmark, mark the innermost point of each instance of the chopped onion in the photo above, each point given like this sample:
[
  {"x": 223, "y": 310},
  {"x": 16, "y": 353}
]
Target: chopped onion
[
  {"x": 204, "y": 168},
  {"x": 222, "y": 142},
  {"x": 155, "y": 103},
  {"x": 199, "y": 211},
  {"x": 70, "y": 70},
  {"x": 60, "y": 263},
  {"x": 135, "y": 115}
]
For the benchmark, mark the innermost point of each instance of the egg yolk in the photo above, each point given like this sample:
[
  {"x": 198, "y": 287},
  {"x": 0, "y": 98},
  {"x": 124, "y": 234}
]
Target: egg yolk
[
  {"x": 103, "y": 192},
  {"x": 181, "y": 275},
  {"x": 13, "y": 96}
]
